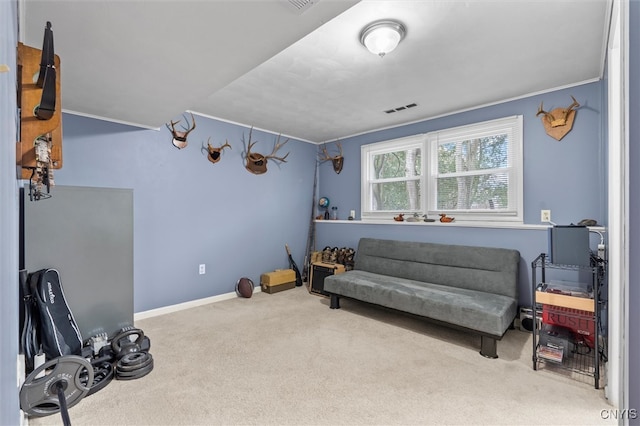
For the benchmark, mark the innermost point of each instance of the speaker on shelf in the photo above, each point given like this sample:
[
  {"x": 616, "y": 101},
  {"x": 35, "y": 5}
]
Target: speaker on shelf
[{"x": 525, "y": 319}]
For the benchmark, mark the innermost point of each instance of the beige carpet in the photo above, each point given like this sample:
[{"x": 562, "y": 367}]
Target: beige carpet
[{"x": 287, "y": 359}]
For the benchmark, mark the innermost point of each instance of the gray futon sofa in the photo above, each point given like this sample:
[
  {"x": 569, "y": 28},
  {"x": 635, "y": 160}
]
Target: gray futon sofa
[{"x": 472, "y": 288}]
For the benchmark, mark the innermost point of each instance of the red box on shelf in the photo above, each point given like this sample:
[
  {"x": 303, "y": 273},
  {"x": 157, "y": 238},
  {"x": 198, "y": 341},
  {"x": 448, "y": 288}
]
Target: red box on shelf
[{"x": 581, "y": 323}]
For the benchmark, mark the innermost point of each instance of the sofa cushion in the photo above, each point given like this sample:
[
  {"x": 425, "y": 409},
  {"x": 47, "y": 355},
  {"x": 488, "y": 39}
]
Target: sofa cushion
[
  {"x": 476, "y": 310},
  {"x": 485, "y": 269}
]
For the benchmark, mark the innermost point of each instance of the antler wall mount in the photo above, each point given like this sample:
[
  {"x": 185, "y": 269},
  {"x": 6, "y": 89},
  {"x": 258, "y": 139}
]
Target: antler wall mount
[
  {"x": 336, "y": 160},
  {"x": 559, "y": 121},
  {"x": 257, "y": 163},
  {"x": 215, "y": 154},
  {"x": 180, "y": 136}
]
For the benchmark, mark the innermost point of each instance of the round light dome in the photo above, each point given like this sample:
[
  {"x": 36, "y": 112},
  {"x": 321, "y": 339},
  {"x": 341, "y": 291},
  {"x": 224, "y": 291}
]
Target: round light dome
[{"x": 381, "y": 37}]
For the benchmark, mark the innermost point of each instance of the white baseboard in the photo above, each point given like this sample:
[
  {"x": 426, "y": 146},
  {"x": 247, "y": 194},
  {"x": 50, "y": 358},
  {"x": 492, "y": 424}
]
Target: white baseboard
[{"x": 187, "y": 305}]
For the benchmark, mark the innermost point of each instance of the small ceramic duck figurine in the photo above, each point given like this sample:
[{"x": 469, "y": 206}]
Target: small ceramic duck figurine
[
  {"x": 426, "y": 219},
  {"x": 414, "y": 218},
  {"x": 399, "y": 218},
  {"x": 446, "y": 219}
]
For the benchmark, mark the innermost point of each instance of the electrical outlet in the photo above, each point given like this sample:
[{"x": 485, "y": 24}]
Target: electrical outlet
[
  {"x": 202, "y": 269},
  {"x": 545, "y": 215}
]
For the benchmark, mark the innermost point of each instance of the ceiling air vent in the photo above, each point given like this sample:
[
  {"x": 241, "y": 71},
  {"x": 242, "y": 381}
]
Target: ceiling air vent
[
  {"x": 299, "y": 6},
  {"x": 401, "y": 108}
]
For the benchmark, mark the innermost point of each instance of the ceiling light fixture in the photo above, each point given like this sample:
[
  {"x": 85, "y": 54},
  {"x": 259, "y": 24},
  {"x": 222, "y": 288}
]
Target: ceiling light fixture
[{"x": 381, "y": 37}]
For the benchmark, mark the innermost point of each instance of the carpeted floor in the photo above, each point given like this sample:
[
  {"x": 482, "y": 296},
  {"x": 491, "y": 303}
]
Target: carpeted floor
[{"x": 287, "y": 359}]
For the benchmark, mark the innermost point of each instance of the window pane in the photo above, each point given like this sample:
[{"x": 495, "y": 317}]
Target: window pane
[
  {"x": 480, "y": 192},
  {"x": 406, "y": 163},
  {"x": 474, "y": 154},
  {"x": 402, "y": 196}
]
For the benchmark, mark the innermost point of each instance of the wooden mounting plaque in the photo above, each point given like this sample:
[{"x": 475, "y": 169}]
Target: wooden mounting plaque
[
  {"x": 29, "y": 98},
  {"x": 561, "y": 131}
]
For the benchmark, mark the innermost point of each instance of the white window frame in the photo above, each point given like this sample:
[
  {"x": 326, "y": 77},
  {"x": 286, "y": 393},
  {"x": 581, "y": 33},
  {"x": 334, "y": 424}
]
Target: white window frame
[
  {"x": 368, "y": 152},
  {"x": 428, "y": 144}
]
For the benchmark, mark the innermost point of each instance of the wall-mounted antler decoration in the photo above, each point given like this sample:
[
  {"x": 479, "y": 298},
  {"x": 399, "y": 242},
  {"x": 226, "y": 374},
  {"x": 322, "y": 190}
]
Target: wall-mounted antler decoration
[
  {"x": 337, "y": 160},
  {"x": 215, "y": 154},
  {"x": 559, "y": 121},
  {"x": 257, "y": 163},
  {"x": 180, "y": 136}
]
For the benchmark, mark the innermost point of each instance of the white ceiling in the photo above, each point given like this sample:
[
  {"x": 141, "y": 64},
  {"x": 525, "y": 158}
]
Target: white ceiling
[{"x": 304, "y": 73}]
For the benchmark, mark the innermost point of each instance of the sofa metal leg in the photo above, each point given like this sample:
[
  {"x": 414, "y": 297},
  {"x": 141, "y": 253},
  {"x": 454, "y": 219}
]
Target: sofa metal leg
[
  {"x": 488, "y": 347},
  {"x": 335, "y": 301}
]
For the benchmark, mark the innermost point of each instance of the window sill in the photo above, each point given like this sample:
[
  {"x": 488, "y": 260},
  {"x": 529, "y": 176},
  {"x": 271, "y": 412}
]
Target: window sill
[{"x": 456, "y": 224}]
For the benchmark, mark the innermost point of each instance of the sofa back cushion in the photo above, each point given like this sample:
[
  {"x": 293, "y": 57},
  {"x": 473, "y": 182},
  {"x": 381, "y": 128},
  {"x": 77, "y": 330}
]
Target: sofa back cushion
[{"x": 487, "y": 269}]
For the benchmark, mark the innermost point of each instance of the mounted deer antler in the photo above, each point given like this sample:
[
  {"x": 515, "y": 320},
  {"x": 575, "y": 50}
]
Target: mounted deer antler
[
  {"x": 257, "y": 163},
  {"x": 337, "y": 160},
  {"x": 559, "y": 121},
  {"x": 214, "y": 154},
  {"x": 180, "y": 137}
]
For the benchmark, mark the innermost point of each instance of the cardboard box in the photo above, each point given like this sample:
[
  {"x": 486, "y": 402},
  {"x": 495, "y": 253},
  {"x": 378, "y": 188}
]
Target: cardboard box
[
  {"x": 278, "y": 280},
  {"x": 580, "y": 322},
  {"x": 580, "y": 303}
]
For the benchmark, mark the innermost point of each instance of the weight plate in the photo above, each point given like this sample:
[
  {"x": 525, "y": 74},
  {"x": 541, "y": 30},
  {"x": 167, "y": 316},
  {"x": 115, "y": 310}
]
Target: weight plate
[
  {"x": 38, "y": 395},
  {"x": 135, "y": 374},
  {"x": 103, "y": 373},
  {"x": 134, "y": 361}
]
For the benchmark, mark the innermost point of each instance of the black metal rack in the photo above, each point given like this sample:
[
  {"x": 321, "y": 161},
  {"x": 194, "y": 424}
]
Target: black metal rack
[{"x": 582, "y": 358}]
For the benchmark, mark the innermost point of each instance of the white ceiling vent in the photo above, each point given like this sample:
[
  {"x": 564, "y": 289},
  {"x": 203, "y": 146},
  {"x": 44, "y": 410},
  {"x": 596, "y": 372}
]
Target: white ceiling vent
[
  {"x": 401, "y": 108},
  {"x": 299, "y": 6}
]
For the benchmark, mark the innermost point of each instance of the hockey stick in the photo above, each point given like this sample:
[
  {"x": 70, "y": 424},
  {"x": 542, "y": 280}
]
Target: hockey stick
[
  {"x": 311, "y": 236},
  {"x": 292, "y": 265}
]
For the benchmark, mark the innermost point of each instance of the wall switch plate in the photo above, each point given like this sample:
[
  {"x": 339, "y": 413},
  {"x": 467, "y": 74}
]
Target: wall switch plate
[{"x": 202, "y": 269}]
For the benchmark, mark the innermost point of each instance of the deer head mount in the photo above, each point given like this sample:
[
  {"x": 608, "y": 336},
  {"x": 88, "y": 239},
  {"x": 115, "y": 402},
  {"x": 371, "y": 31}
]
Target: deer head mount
[
  {"x": 215, "y": 154},
  {"x": 257, "y": 163},
  {"x": 559, "y": 121},
  {"x": 180, "y": 136},
  {"x": 336, "y": 160}
]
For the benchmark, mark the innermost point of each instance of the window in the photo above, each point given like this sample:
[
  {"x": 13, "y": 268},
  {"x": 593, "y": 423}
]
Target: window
[
  {"x": 393, "y": 177},
  {"x": 472, "y": 172}
]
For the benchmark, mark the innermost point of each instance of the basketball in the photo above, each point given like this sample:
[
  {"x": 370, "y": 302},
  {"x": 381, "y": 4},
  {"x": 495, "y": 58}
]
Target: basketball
[{"x": 244, "y": 287}]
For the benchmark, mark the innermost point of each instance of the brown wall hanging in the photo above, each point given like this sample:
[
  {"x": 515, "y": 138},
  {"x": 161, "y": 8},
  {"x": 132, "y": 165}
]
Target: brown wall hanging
[
  {"x": 559, "y": 121},
  {"x": 39, "y": 149},
  {"x": 336, "y": 160},
  {"x": 180, "y": 136},
  {"x": 257, "y": 163},
  {"x": 215, "y": 154}
]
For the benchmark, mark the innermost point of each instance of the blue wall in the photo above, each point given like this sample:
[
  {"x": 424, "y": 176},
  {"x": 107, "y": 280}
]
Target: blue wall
[
  {"x": 188, "y": 211},
  {"x": 568, "y": 177}
]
